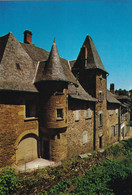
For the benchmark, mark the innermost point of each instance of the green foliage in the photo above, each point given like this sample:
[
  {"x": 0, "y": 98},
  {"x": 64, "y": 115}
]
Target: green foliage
[
  {"x": 115, "y": 150},
  {"x": 60, "y": 187},
  {"x": 103, "y": 179},
  {"x": 8, "y": 181},
  {"x": 127, "y": 144}
]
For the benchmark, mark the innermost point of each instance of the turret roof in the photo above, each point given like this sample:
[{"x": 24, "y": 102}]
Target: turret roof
[
  {"x": 52, "y": 69},
  {"x": 92, "y": 60}
]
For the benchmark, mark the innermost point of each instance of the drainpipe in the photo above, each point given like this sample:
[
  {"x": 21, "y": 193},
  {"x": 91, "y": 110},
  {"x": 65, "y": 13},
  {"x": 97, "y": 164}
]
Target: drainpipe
[{"x": 119, "y": 124}]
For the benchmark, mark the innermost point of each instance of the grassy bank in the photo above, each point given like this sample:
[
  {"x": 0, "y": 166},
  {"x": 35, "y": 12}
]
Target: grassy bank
[{"x": 108, "y": 172}]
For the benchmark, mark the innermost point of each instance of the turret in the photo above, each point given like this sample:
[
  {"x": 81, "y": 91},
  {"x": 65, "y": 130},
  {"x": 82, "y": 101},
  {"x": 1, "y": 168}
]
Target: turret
[{"x": 52, "y": 83}]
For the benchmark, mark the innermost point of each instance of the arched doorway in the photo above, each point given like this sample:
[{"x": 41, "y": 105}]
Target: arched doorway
[{"x": 27, "y": 149}]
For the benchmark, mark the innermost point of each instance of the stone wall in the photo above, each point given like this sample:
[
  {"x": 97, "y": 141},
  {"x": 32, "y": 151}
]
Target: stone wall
[
  {"x": 80, "y": 131},
  {"x": 13, "y": 127},
  {"x": 58, "y": 147},
  {"x": 112, "y": 123}
]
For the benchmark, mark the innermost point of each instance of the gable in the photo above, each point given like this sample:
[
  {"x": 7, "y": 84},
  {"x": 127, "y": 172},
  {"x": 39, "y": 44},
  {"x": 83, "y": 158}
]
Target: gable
[{"x": 16, "y": 69}]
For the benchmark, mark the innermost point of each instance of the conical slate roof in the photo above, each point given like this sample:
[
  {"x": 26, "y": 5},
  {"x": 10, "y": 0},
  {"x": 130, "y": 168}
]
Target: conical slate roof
[
  {"x": 52, "y": 69},
  {"x": 88, "y": 56},
  {"x": 93, "y": 58}
]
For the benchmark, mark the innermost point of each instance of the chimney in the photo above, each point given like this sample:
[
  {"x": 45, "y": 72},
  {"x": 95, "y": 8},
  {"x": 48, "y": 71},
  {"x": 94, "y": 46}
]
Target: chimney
[
  {"x": 27, "y": 36},
  {"x": 85, "y": 50},
  {"x": 112, "y": 88}
]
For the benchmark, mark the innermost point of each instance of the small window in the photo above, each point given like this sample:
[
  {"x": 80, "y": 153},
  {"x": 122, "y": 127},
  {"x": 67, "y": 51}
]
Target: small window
[
  {"x": 18, "y": 66},
  {"x": 110, "y": 112},
  {"x": 100, "y": 142},
  {"x": 100, "y": 119},
  {"x": 88, "y": 114},
  {"x": 85, "y": 138},
  {"x": 100, "y": 77},
  {"x": 116, "y": 111},
  {"x": 76, "y": 114},
  {"x": 113, "y": 132},
  {"x": 100, "y": 96},
  {"x": 59, "y": 114}
]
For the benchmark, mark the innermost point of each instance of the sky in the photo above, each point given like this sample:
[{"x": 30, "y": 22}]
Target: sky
[{"x": 109, "y": 23}]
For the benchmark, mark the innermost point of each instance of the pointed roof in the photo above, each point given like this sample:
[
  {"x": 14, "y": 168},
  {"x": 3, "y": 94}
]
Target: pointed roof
[
  {"x": 16, "y": 67},
  {"x": 3, "y": 41},
  {"x": 89, "y": 56},
  {"x": 52, "y": 69}
]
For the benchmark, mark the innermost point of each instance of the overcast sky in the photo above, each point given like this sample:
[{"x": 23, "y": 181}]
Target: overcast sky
[{"x": 109, "y": 23}]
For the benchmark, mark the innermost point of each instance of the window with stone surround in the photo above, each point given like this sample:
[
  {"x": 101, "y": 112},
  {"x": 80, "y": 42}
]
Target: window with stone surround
[
  {"x": 100, "y": 96},
  {"x": 100, "y": 119},
  {"x": 85, "y": 137},
  {"x": 116, "y": 111},
  {"x": 88, "y": 114},
  {"x": 113, "y": 131},
  {"x": 111, "y": 112},
  {"x": 59, "y": 113},
  {"x": 76, "y": 115}
]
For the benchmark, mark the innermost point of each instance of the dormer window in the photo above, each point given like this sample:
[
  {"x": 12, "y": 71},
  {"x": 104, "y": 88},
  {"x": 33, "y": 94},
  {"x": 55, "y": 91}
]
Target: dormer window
[{"x": 60, "y": 114}]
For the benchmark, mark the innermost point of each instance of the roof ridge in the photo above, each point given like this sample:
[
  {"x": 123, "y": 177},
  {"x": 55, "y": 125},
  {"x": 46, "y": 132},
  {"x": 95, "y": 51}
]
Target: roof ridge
[{"x": 3, "y": 42}]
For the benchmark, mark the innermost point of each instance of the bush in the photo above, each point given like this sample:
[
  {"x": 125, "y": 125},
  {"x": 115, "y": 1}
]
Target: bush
[
  {"x": 60, "y": 187},
  {"x": 8, "y": 181},
  {"x": 108, "y": 177},
  {"x": 115, "y": 150}
]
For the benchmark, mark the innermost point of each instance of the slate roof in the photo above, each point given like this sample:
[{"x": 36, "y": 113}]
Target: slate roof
[
  {"x": 17, "y": 69},
  {"x": 111, "y": 98},
  {"x": 3, "y": 41},
  {"x": 53, "y": 69},
  {"x": 79, "y": 93},
  {"x": 93, "y": 60}
]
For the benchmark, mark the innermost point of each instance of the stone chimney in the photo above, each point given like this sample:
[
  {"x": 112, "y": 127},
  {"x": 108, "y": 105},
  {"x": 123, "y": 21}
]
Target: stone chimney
[
  {"x": 27, "y": 36},
  {"x": 85, "y": 50},
  {"x": 112, "y": 88}
]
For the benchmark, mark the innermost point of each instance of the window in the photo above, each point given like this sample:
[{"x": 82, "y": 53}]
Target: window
[
  {"x": 60, "y": 114},
  {"x": 100, "y": 77},
  {"x": 76, "y": 114},
  {"x": 113, "y": 132},
  {"x": 30, "y": 109},
  {"x": 100, "y": 96},
  {"x": 100, "y": 142},
  {"x": 110, "y": 112},
  {"x": 88, "y": 114},
  {"x": 18, "y": 66},
  {"x": 100, "y": 119},
  {"x": 85, "y": 138}
]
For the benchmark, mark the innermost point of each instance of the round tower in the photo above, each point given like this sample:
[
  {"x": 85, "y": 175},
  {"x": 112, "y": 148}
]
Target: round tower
[{"x": 52, "y": 83}]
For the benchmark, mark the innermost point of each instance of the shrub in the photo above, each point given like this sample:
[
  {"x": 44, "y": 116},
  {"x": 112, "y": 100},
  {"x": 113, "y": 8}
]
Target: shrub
[
  {"x": 60, "y": 187},
  {"x": 8, "y": 181},
  {"x": 115, "y": 150}
]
